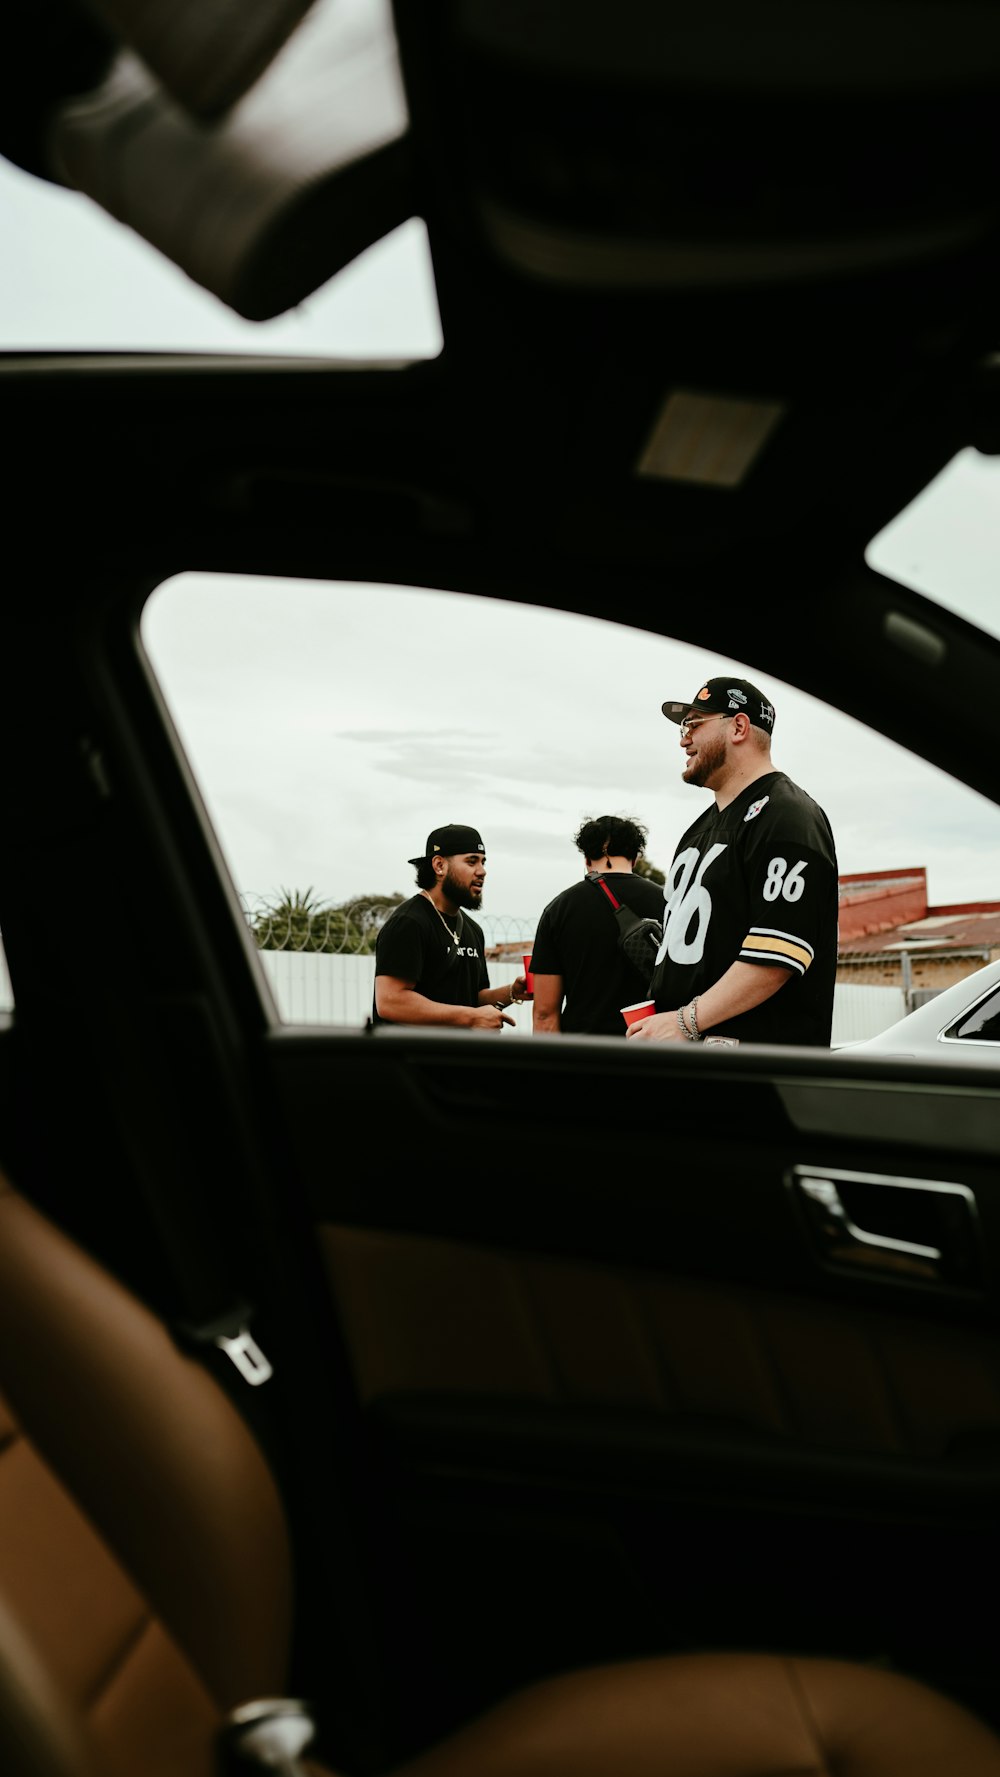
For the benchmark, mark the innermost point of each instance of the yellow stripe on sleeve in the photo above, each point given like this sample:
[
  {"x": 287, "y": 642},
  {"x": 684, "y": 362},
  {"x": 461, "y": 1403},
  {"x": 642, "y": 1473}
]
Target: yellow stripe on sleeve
[{"x": 779, "y": 947}]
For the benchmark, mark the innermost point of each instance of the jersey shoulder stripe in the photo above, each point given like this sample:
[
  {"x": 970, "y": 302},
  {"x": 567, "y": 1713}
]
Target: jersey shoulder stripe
[
  {"x": 778, "y": 932},
  {"x": 763, "y": 945}
]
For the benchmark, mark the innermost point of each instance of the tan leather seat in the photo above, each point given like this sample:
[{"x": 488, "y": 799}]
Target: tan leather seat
[{"x": 145, "y": 1589}]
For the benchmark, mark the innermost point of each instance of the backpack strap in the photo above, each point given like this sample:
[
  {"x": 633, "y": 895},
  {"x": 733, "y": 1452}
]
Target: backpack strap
[{"x": 595, "y": 877}]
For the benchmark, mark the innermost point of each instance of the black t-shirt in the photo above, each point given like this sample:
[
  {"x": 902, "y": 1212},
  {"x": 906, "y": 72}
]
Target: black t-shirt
[
  {"x": 755, "y": 883},
  {"x": 577, "y": 938},
  {"x": 414, "y": 946}
]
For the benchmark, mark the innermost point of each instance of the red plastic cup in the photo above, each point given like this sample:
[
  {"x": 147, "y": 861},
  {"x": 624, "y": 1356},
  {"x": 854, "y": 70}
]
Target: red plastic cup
[
  {"x": 640, "y": 1009},
  {"x": 529, "y": 979}
]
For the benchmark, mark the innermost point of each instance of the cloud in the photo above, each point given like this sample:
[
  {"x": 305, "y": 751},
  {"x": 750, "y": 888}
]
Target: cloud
[{"x": 325, "y": 762}]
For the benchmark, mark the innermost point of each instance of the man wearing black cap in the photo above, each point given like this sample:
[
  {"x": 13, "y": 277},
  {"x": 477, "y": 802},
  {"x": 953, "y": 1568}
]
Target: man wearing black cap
[
  {"x": 430, "y": 957},
  {"x": 749, "y": 945}
]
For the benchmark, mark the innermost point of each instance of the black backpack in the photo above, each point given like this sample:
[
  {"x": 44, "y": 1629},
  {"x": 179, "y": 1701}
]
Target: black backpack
[{"x": 638, "y": 938}]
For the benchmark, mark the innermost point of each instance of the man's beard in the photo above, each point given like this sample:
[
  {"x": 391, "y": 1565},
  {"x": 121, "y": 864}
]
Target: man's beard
[
  {"x": 459, "y": 896},
  {"x": 711, "y": 754}
]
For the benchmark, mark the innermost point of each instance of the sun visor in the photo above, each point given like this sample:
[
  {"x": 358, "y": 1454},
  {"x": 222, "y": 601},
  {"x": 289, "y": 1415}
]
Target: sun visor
[
  {"x": 205, "y": 53},
  {"x": 265, "y": 206}
]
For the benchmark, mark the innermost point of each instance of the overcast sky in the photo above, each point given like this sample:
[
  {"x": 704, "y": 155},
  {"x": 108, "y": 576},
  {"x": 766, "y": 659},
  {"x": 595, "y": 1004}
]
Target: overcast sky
[{"x": 322, "y": 758}]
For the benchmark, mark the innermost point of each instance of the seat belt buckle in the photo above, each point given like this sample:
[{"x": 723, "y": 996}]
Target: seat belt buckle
[
  {"x": 230, "y": 1333},
  {"x": 269, "y": 1734},
  {"x": 242, "y": 1350}
]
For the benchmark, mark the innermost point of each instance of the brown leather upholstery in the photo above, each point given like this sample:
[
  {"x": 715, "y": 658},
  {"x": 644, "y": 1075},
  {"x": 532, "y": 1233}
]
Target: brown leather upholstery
[
  {"x": 145, "y": 1587},
  {"x": 126, "y": 1518},
  {"x": 106, "y": 1657},
  {"x": 720, "y": 1715},
  {"x": 432, "y": 1316},
  {"x": 40, "y": 1733},
  {"x": 143, "y": 1440}
]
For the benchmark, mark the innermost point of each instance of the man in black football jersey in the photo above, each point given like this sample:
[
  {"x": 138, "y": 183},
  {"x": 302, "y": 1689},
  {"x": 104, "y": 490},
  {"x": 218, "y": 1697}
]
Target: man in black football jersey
[
  {"x": 582, "y": 977},
  {"x": 750, "y": 904},
  {"x": 430, "y": 957}
]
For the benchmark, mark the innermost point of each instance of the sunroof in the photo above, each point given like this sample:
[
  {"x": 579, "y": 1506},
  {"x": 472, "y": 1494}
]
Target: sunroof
[
  {"x": 77, "y": 280},
  {"x": 946, "y": 543}
]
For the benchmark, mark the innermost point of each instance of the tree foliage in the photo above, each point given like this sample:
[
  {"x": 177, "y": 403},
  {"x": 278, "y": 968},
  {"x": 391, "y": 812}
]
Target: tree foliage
[
  {"x": 296, "y": 920},
  {"x": 643, "y": 867}
]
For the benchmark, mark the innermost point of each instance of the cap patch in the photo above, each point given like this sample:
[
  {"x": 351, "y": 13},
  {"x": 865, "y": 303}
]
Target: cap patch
[{"x": 725, "y": 697}]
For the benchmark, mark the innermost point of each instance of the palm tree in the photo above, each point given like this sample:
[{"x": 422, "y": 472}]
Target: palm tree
[{"x": 296, "y": 920}]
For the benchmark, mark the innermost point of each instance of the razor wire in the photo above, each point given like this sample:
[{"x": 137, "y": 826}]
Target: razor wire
[{"x": 299, "y": 923}]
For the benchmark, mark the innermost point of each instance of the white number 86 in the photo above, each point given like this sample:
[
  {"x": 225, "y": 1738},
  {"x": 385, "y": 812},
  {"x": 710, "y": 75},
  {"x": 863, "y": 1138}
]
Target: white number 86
[{"x": 790, "y": 887}]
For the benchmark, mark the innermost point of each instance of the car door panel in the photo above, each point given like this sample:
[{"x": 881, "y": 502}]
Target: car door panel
[{"x": 609, "y": 1385}]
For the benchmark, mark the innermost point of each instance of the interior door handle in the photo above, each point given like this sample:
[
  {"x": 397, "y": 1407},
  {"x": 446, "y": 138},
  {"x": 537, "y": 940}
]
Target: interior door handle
[
  {"x": 916, "y": 1230},
  {"x": 825, "y": 1192}
]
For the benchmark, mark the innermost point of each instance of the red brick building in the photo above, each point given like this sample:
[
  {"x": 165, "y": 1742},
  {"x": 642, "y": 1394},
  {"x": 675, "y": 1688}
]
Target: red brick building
[{"x": 890, "y": 933}]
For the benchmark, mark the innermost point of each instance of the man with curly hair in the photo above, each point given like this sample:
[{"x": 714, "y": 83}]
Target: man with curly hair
[{"x": 582, "y": 978}]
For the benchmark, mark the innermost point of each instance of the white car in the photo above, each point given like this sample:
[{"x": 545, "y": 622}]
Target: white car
[{"x": 961, "y": 1022}]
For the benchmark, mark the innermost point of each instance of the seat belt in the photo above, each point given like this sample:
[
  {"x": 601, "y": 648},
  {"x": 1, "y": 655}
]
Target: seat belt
[{"x": 195, "y": 1225}]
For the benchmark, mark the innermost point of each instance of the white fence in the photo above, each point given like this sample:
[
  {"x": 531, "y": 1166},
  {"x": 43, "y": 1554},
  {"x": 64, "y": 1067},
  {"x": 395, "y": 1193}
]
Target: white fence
[
  {"x": 314, "y": 989},
  {"x": 311, "y": 988},
  {"x": 863, "y": 1011}
]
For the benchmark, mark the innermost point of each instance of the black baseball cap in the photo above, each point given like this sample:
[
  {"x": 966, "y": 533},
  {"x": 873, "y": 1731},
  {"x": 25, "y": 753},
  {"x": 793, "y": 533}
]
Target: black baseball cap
[
  {"x": 726, "y": 697},
  {"x": 447, "y": 842}
]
